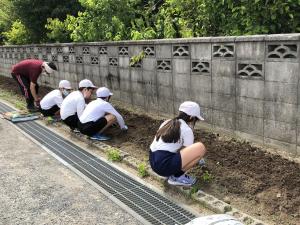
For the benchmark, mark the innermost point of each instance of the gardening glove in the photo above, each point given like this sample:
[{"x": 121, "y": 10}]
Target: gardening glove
[{"x": 125, "y": 128}]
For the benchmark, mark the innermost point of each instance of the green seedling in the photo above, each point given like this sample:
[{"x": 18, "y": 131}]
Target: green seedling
[
  {"x": 142, "y": 170},
  {"x": 194, "y": 189},
  {"x": 114, "y": 155},
  {"x": 207, "y": 177}
]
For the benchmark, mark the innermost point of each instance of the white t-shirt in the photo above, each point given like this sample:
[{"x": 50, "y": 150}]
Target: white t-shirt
[
  {"x": 52, "y": 98},
  {"x": 73, "y": 103},
  {"x": 186, "y": 139},
  {"x": 97, "y": 109}
]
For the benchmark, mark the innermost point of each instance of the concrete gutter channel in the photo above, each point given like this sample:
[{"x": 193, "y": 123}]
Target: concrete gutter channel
[{"x": 204, "y": 199}]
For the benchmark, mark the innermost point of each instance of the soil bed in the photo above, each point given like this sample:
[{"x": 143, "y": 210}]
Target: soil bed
[{"x": 264, "y": 185}]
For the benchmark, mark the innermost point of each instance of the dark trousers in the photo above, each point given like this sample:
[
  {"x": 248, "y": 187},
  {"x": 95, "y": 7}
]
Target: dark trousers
[
  {"x": 24, "y": 85},
  {"x": 91, "y": 128},
  {"x": 51, "y": 111},
  {"x": 72, "y": 121}
]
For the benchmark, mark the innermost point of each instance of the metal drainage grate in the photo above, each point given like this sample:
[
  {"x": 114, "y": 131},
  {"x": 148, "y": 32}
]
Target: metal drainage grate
[{"x": 152, "y": 206}]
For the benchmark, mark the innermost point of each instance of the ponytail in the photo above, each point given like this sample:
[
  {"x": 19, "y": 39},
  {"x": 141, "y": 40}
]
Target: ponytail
[{"x": 170, "y": 132}]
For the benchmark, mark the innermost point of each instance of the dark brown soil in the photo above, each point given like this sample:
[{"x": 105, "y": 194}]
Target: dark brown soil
[{"x": 263, "y": 184}]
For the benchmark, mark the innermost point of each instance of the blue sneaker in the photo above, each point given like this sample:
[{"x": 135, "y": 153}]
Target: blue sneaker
[
  {"x": 183, "y": 180},
  {"x": 201, "y": 162},
  {"x": 100, "y": 137}
]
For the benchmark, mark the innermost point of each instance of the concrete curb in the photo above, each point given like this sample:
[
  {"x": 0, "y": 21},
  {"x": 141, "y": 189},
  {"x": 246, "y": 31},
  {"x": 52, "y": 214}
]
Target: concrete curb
[{"x": 214, "y": 204}]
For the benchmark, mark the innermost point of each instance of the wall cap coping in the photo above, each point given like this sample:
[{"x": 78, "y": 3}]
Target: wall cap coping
[{"x": 221, "y": 39}]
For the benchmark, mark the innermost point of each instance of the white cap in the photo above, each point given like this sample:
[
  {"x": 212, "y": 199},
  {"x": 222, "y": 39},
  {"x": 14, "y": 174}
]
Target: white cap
[
  {"x": 86, "y": 84},
  {"x": 47, "y": 67},
  {"x": 64, "y": 84},
  {"x": 103, "y": 92},
  {"x": 191, "y": 109}
]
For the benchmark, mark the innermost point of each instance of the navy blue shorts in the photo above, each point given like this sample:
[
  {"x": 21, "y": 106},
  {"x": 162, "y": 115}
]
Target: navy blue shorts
[{"x": 166, "y": 163}]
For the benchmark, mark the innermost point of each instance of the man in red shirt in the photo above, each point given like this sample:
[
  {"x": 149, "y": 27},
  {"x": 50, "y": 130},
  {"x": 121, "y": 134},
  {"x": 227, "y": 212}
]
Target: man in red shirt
[{"x": 26, "y": 73}]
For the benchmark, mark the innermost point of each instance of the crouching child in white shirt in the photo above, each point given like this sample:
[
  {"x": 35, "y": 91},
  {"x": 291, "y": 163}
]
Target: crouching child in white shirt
[
  {"x": 51, "y": 103},
  {"x": 173, "y": 151},
  {"x": 99, "y": 115},
  {"x": 73, "y": 105}
]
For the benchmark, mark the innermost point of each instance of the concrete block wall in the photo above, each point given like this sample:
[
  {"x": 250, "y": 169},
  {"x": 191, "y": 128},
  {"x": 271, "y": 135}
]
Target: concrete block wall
[{"x": 247, "y": 85}]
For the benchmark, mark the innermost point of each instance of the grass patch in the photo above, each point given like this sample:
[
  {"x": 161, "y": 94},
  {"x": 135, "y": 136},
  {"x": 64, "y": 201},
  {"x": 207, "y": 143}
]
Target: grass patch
[
  {"x": 207, "y": 177},
  {"x": 114, "y": 155},
  {"x": 142, "y": 170},
  {"x": 12, "y": 98}
]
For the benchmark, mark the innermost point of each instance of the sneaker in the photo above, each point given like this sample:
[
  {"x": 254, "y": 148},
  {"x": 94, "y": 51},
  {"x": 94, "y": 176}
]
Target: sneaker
[
  {"x": 201, "y": 162},
  {"x": 183, "y": 180},
  {"x": 33, "y": 109},
  {"x": 76, "y": 131},
  {"x": 100, "y": 137}
]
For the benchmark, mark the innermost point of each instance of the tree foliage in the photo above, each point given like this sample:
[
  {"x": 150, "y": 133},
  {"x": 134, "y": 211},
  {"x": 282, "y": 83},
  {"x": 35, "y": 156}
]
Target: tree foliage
[
  {"x": 99, "y": 20},
  {"x": 17, "y": 35},
  {"x": 34, "y": 14}
]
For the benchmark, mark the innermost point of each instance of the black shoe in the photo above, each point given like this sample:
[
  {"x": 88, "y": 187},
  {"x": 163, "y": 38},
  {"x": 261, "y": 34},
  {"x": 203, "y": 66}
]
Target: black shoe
[{"x": 32, "y": 109}]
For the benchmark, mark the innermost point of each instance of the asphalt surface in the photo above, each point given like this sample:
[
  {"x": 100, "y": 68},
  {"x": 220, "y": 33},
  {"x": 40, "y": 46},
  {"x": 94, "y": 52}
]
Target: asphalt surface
[{"x": 35, "y": 188}]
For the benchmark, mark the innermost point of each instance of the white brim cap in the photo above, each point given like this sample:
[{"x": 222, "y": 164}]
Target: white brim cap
[
  {"x": 191, "y": 109},
  {"x": 47, "y": 68},
  {"x": 64, "y": 84},
  {"x": 103, "y": 92},
  {"x": 86, "y": 84}
]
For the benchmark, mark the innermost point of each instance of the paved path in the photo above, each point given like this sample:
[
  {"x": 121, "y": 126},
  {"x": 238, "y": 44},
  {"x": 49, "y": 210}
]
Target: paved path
[{"x": 35, "y": 188}]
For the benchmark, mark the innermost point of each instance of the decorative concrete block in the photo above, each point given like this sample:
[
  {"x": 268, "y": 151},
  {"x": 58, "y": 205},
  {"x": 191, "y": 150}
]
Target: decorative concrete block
[
  {"x": 163, "y": 51},
  {"x": 149, "y": 77},
  {"x": 223, "y": 68},
  {"x": 201, "y": 51},
  {"x": 137, "y": 87},
  {"x": 94, "y": 50},
  {"x": 138, "y": 99},
  {"x": 165, "y": 92},
  {"x": 222, "y": 119},
  {"x": 223, "y": 102},
  {"x": 103, "y": 71},
  {"x": 286, "y": 51},
  {"x": 136, "y": 75},
  {"x": 203, "y": 98},
  {"x": 280, "y": 92},
  {"x": 201, "y": 83},
  {"x": 249, "y": 124},
  {"x": 280, "y": 131},
  {"x": 286, "y": 72},
  {"x": 280, "y": 111},
  {"x": 223, "y": 85},
  {"x": 250, "y": 88},
  {"x": 181, "y": 81},
  {"x": 87, "y": 69},
  {"x": 149, "y": 64},
  {"x": 165, "y": 106},
  {"x": 164, "y": 79},
  {"x": 250, "y": 106},
  {"x": 95, "y": 70},
  {"x": 125, "y": 74},
  {"x": 112, "y": 51},
  {"x": 125, "y": 85},
  {"x": 72, "y": 68},
  {"x": 181, "y": 66},
  {"x": 103, "y": 60},
  {"x": 181, "y": 94},
  {"x": 250, "y": 51},
  {"x": 134, "y": 50},
  {"x": 124, "y": 62}
]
